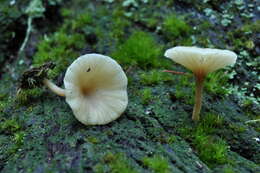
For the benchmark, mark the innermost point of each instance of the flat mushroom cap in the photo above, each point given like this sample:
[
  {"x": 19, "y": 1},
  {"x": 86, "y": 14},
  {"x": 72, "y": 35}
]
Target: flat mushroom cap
[
  {"x": 96, "y": 89},
  {"x": 201, "y": 60}
]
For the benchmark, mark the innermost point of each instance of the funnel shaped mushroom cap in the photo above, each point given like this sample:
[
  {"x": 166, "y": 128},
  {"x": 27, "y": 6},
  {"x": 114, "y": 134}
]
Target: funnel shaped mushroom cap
[
  {"x": 96, "y": 89},
  {"x": 201, "y": 60}
]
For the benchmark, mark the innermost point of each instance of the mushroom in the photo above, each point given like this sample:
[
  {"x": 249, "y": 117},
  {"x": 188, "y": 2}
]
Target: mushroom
[
  {"x": 200, "y": 61},
  {"x": 95, "y": 89}
]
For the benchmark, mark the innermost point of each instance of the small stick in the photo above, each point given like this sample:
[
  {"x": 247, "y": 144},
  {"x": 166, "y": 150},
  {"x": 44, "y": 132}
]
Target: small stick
[
  {"x": 28, "y": 32},
  {"x": 174, "y": 72},
  {"x": 252, "y": 121}
]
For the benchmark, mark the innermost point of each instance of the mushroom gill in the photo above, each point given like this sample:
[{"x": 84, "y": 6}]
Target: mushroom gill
[{"x": 95, "y": 89}]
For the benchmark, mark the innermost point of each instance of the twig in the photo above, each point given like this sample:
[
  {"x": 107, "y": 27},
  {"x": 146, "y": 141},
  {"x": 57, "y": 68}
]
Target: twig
[
  {"x": 174, "y": 72},
  {"x": 252, "y": 121},
  {"x": 28, "y": 32}
]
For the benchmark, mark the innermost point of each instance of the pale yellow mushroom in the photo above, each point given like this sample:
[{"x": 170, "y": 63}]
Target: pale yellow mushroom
[
  {"x": 95, "y": 89},
  {"x": 200, "y": 61}
]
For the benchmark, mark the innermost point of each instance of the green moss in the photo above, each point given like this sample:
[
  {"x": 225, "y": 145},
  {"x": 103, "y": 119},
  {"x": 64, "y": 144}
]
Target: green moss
[
  {"x": 215, "y": 83},
  {"x": 81, "y": 21},
  {"x": 109, "y": 157},
  {"x": 17, "y": 142},
  {"x": 3, "y": 105},
  {"x": 242, "y": 37},
  {"x": 181, "y": 94},
  {"x": 154, "y": 77},
  {"x": 118, "y": 163},
  {"x": 176, "y": 27},
  {"x": 5, "y": 101},
  {"x": 63, "y": 46},
  {"x": 3, "y": 96},
  {"x": 140, "y": 49},
  {"x": 152, "y": 22},
  {"x": 186, "y": 80},
  {"x": 164, "y": 139},
  {"x": 203, "y": 41},
  {"x": 210, "y": 123},
  {"x": 247, "y": 103},
  {"x": 65, "y": 12},
  {"x": 119, "y": 25},
  {"x": 228, "y": 169},
  {"x": 211, "y": 149},
  {"x": 257, "y": 129},
  {"x": 25, "y": 96},
  {"x": 171, "y": 139},
  {"x": 76, "y": 22},
  {"x": 10, "y": 20},
  {"x": 60, "y": 48},
  {"x": 205, "y": 25},
  {"x": 93, "y": 140},
  {"x": 19, "y": 138},
  {"x": 158, "y": 164},
  {"x": 9, "y": 126},
  {"x": 146, "y": 95},
  {"x": 237, "y": 128},
  {"x": 184, "y": 84},
  {"x": 99, "y": 168},
  {"x": 177, "y": 30},
  {"x": 252, "y": 27}
]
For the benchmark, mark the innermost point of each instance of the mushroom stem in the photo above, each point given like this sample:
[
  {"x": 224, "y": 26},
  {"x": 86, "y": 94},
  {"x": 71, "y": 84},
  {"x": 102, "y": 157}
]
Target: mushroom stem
[
  {"x": 198, "y": 98},
  {"x": 54, "y": 88}
]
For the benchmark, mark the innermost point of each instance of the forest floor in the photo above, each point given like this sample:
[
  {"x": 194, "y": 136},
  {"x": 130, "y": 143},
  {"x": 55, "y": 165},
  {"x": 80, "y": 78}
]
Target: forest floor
[{"x": 38, "y": 132}]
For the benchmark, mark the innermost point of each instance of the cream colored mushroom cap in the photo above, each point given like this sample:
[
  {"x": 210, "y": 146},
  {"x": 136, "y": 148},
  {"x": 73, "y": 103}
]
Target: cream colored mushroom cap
[
  {"x": 96, "y": 89},
  {"x": 201, "y": 60}
]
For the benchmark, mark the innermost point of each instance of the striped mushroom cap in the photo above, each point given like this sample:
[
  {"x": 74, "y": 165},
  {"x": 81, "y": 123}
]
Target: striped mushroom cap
[
  {"x": 201, "y": 60},
  {"x": 96, "y": 89}
]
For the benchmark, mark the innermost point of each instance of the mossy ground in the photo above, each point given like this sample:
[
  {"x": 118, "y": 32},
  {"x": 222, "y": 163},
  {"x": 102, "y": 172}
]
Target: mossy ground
[{"x": 38, "y": 132}]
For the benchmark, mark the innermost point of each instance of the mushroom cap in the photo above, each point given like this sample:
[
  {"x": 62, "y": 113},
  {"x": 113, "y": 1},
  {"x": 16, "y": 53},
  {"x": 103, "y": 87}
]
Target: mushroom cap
[
  {"x": 201, "y": 60},
  {"x": 96, "y": 89}
]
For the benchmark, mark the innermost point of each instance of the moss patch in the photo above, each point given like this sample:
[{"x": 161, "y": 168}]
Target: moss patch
[
  {"x": 211, "y": 149},
  {"x": 117, "y": 164},
  {"x": 154, "y": 77},
  {"x": 177, "y": 30},
  {"x": 139, "y": 49},
  {"x": 59, "y": 48},
  {"x": 157, "y": 164}
]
